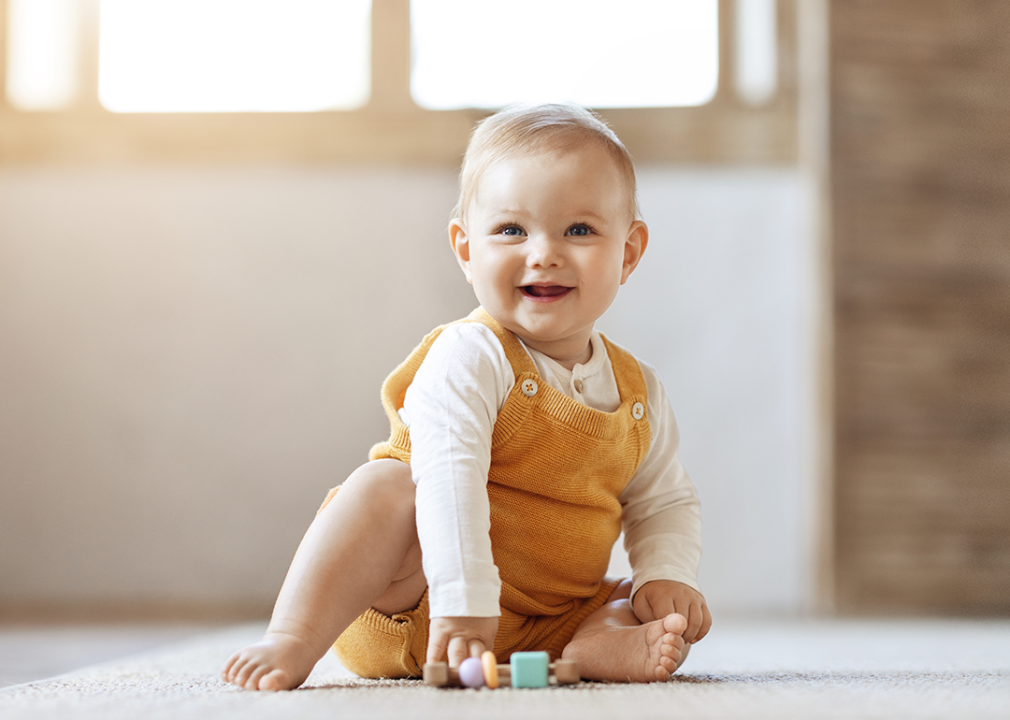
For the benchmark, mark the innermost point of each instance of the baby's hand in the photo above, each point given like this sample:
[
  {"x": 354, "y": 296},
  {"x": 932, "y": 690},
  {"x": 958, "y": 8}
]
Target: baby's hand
[
  {"x": 659, "y": 598},
  {"x": 460, "y": 638}
]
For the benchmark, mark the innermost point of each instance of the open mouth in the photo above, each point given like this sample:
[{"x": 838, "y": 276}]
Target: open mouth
[{"x": 544, "y": 291}]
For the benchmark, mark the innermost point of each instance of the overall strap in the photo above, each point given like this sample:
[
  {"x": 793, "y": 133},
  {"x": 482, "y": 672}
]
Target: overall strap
[
  {"x": 515, "y": 352},
  {"x": 394, "y": 389},
  {"x": 627, "y": 372}
]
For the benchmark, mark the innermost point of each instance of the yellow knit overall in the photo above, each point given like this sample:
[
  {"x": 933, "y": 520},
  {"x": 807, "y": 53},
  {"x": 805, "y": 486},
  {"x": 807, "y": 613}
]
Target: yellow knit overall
[{"x": 557, "y": 469}]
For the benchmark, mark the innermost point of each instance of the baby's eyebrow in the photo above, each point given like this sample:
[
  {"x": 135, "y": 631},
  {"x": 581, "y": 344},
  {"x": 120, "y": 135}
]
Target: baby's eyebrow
[
  {"x": 519, "y": 217},
  {"x": 506, "y": 213},
  {"x": 590, "y": 215}
]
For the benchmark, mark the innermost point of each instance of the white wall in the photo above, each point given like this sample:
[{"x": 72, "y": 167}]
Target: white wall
[
  {"x": 189, "y": 358},
  {"x": 720, "y": 306}
]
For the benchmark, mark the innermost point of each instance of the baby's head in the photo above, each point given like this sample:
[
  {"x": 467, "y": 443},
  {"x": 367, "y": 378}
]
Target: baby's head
[
  {"x": 533, "y": 129},
  {"x": 546, "y": 228}
]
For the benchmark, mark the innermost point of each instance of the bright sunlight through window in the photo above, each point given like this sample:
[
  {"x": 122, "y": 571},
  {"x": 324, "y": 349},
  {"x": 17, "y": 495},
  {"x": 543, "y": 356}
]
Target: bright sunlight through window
[
  {"x": 600, "y": 53},
  {"x": 756, "y": 68},
  {"x": 41, "y": 53},
  {"x": 234, "y": 55}
]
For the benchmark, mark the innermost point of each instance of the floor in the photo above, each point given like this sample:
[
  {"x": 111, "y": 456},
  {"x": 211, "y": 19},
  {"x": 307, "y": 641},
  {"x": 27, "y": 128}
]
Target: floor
[
  {"x": 35, "y": 652},
  {"x": 781, "y": 669},
  {"x": 30, "y": 652}
]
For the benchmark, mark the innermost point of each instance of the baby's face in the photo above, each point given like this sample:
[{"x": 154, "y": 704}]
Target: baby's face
[{"x": 547, "y": 242}]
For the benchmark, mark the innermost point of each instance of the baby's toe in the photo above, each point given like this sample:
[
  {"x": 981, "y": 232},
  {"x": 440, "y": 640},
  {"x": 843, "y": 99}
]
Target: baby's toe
[
  {"x": 240, "y": 672},
  {"x": 675, "y": 623},
  {"x": 226, "y": 673},
  {"x": 254, "y": 681},
  {"x": 273, "y": 681},
  {"x": 672, "y": 645}
]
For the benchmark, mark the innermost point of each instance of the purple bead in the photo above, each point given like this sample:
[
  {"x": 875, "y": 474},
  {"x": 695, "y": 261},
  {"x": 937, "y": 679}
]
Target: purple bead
[{"x": 471, "y": 673}]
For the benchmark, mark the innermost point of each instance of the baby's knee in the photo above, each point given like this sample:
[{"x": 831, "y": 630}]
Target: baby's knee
[
  {"x": 384, "y": 470},
  {"x": 384, "y": 484}
]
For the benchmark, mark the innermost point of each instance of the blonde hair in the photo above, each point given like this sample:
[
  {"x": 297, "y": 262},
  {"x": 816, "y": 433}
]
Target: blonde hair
[{"x": 526, "y": 129}]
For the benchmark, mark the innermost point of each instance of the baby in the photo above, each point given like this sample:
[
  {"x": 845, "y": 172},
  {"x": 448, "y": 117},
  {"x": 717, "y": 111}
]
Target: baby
[{"x": 522, "y": 442}]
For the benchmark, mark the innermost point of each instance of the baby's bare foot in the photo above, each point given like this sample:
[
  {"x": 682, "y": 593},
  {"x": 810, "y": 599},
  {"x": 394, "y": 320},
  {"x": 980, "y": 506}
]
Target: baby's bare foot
[
  {"x": 277, "y": 662},
  {"x": 638, "y": 653}
]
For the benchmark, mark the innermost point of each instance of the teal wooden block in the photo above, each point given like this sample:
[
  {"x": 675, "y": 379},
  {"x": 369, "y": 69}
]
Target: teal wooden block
[{"x": 529, "y": 669}]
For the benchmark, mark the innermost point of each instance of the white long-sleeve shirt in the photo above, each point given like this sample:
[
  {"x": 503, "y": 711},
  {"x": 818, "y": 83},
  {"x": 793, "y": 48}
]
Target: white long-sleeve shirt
[{"x": 451, "y": 407}]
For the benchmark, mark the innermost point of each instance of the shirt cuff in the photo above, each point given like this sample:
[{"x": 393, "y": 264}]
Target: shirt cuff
[{"x": 458, "y": 599}]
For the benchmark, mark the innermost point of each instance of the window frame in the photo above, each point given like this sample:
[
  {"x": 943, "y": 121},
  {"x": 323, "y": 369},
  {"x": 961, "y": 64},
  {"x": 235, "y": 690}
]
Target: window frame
[{"x": 390, "y": 128}]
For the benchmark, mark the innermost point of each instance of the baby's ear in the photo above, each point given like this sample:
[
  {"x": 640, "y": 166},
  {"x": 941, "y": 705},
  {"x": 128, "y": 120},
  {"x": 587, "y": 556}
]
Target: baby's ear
[
  {"x": 634, "y": 247},
  {"x": 460, "y": 246}
]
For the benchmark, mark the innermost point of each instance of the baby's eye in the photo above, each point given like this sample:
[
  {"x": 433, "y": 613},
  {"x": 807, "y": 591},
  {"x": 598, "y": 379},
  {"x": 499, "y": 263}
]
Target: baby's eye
[
  {"x": 580, "y": 230},
  {"x": 511, "y": 230}
]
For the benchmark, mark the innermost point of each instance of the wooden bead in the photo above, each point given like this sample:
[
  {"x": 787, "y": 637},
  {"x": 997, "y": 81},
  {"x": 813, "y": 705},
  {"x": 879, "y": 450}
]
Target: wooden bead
[
  {"x": 436, "y": 674},
  {"x": 490, "y": 663},
  {"x": 566, "y": 672},
  {"x": 471, "y": 673}
]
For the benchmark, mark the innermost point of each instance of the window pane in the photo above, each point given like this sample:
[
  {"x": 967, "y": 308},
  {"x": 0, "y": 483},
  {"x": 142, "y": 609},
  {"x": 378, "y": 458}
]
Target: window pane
[
  {"x": 756, "y": 50},
  {"x": 41, "y": 53},
  {"x": 600, "y": 53},
  {"x": 234, "y": 55}
]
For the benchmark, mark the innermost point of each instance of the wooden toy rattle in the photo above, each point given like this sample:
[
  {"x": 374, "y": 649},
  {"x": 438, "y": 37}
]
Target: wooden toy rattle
[{"x": 524, "y": 670}]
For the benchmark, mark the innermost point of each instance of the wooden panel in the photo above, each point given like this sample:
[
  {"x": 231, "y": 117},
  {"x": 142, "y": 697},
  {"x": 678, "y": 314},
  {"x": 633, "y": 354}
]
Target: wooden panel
[{"x": 920, "y": 154}]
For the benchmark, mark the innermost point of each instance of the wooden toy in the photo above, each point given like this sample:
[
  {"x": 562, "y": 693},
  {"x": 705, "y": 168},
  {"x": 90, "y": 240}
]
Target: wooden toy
[
  {"x": 490, "y": 664},
  {"x": 471, "y": 673},
  {"x": 530, "y": 669},
  {"x": 525, "y": 669}
]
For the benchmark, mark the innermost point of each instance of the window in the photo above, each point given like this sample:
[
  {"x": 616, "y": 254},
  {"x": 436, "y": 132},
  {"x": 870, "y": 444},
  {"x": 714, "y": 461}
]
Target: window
[
  {"x": 636, "y": 53},
  {"x": 324, "y": 81},
  {"x": 756, "y": 68},
  {"x": 233, "y": 55},
  {"x": 42, "y": 54}
]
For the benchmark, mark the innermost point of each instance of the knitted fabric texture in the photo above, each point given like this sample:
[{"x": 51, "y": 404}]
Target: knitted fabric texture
[{"x": 557, "y": 469}]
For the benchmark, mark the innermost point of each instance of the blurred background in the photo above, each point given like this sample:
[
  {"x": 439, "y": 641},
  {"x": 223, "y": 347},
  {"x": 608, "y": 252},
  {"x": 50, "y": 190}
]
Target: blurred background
[{"x": 223, "y": 223}]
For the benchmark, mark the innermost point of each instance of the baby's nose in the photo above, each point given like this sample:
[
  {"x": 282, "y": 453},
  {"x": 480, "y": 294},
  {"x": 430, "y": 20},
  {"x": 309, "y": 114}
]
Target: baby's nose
[{"x": 542, "y": 250}]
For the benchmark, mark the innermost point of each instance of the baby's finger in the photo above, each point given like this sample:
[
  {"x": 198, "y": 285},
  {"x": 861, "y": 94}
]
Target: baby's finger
[
  {"x": 694, "y": 619},
  {"x": 706, "y": 622},
  {"x": 648, "y": 608},
  {"x": 457, "y": 651},
  {"x": 476, "y": 648},
  {"x": 437, "y": 643},
  {"x": 663, "y": 606}
]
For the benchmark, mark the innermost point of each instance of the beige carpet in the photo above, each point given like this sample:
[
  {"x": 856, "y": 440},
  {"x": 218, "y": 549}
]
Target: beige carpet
[{"x": 745, "y": 669}]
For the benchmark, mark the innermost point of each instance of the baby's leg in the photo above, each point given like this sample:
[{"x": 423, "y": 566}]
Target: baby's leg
[
  {"x": 611, "y": 644},
  {"x": 361, "y": 551}
]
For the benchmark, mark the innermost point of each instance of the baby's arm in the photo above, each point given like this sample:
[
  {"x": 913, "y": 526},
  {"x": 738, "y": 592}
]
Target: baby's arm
[
  {"x": 662, "y": 526},
  {"x": 451, "y": 408}
]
